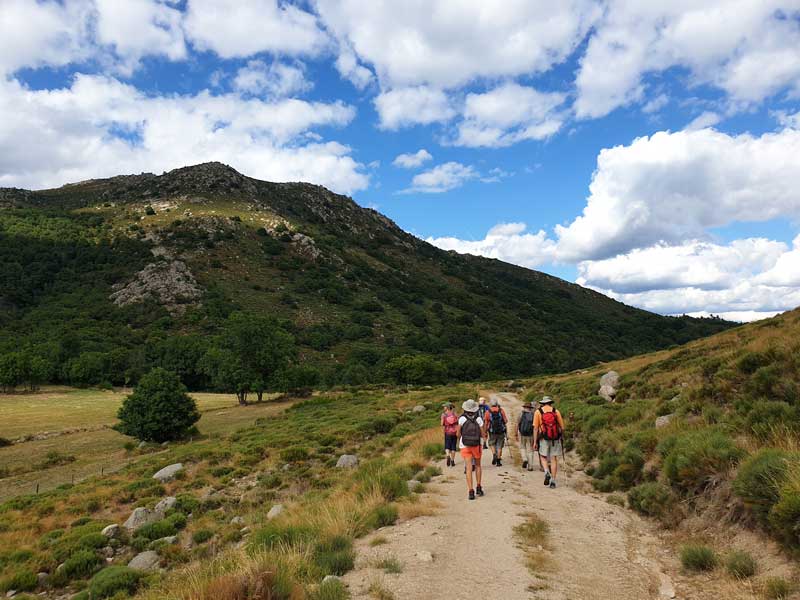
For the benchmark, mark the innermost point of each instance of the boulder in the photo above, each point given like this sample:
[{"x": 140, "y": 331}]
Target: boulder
[
  {"x": 663, "y": 421},
  {"x": 330, "y": 578},
  {"x": 168, "y": 473},
  {"x": 347, "y": 461},
  {"x": 108, "y": 552},
  {"x": 165, "y": 504},
  {"x": 275, "y": 511},
  {"x": 237, "y": 521},
  {"x": 413, "y": 485},
  {"x": 608, "y": 386},
  {"x": 424, "y": 556},
  {"x": 170, "y": 539},
  {"x": 111, "y": 531},
  {"x": 145, "y": 561},
  {"x": 418, "y": 409},
  {"x": 140, "y": 517}
]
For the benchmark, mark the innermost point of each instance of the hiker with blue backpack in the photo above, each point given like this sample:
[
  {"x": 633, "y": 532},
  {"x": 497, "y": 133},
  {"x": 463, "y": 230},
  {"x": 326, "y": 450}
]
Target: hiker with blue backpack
[
  {"x": 470, "y": 435},
  {"x": 524, "y": 435},
  {"x": 548, "y": 433},
  {"x": 496, "y": 422}
]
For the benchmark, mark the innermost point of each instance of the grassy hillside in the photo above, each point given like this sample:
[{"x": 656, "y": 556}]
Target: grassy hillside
[
  {"x": 101, "y": 280},
  {"x": 227, "y": 547},
  {"x": 727, "y": 444}
]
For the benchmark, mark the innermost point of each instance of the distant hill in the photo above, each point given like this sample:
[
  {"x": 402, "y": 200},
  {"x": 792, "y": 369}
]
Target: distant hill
[{"x": 101, "y": 280}]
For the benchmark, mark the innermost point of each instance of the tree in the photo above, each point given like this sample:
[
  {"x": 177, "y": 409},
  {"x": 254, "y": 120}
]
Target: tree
[
  {"x": 415, "y": 369},
  {"x": 10, "y": 371},
  {"x": 248, "y": 354},
  {"x": 159, "y": 409}
]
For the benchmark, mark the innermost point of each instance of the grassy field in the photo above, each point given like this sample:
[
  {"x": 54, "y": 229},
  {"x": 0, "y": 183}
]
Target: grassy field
[{"x": 97, "y": 448}]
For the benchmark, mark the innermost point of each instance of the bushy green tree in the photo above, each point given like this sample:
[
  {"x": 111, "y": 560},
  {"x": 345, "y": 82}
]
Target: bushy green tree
[
  {"x": 416, "y": 369},
  {"x": 159, "y": 409},
  {"x": 248, "y": 354}
]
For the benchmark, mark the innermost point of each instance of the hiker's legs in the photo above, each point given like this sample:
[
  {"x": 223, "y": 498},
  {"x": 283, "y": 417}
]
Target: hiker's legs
[
  {"x": 553, "y": 467},
  {"x": 469, "y": 476},
  {"x": 478, "y": 471}
]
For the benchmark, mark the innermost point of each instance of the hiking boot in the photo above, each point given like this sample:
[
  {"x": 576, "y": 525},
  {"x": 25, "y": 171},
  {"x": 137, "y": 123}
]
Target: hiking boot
[
  {"x": 553, "y": 484},
  {"x": 547, "y": 478},
  {"x": 530, "y": 468},
  {"x": 472, "y": 494},
  {"x": 499, "y": 463},
  {"x": 485, "y": 447},
  {"x": 494, "y": 460},
  {"x": 479, "y": 491},
  {"x": 524, "y": 464}
]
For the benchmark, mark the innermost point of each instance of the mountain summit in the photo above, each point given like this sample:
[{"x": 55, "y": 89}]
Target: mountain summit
[{"x": 103, "y": 275}]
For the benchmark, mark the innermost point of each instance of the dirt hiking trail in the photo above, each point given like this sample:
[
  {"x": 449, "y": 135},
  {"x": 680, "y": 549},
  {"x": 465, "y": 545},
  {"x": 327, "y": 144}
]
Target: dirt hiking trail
[{"x": 467, "y": 549}]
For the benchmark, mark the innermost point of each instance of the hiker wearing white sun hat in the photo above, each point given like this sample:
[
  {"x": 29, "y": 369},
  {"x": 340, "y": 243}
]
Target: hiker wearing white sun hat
[{"x": 470, "y": 436}]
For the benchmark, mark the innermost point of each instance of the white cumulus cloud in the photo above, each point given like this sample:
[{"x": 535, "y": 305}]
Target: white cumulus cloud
[
  {"x": 99, "y": 126},
  {"x": 413, "y": 106},
  {"x": 510, "y": 242},
  {"x": 276, "y": 79},
  {"x": 508, "y": 114},
  {"x": 672, "y": 187},
  {"x": 442, "y": 178},
  {"x": 412, "y": 160}
]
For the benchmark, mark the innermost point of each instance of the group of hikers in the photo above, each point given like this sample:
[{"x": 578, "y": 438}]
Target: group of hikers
[{"x": 481, "y": 426}]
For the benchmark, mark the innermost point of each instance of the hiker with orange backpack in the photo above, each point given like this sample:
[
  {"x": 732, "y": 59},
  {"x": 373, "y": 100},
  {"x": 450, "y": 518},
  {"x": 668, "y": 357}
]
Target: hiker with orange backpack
[
  {"x": 548, "y": 433},
  {"x": 450, "y": 429},
  {"x": 470, "y": 436}
]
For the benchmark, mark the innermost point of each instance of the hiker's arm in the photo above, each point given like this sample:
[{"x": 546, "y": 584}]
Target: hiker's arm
[{"x": 536, "y": 424}]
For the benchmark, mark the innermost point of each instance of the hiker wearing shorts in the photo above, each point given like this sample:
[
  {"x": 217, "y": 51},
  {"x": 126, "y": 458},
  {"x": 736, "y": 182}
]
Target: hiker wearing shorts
[
  {"x": 470, "y": 436},
  {"x": 524, "y": 435},
  {"x": 450, "y": 429},
  {"x": 548, "y": 433},
  {"x": 496, "y": 423},
  {"x": 483, "y": 408}
]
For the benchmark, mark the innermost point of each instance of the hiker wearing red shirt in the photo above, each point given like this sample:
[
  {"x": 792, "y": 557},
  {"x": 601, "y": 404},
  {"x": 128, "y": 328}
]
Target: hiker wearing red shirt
[
  {"x": 450, "y": 429},
  {"x": 548, "y": 431}
]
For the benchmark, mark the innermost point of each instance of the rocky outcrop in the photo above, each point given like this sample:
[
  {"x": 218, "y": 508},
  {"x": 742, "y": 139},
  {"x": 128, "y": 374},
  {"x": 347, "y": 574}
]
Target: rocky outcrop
[
  {"x": 608, "y": 386},
  {"x": 145, "y": 561},
  {"x": 275, "y": 511},
  {"x": 170, "y": 283},
  {"x": 663, "y": 421},
  {"x": 347, "y": 461},
  {"x": 168, "y": 473},
  {"x": 140, "y": 517}
]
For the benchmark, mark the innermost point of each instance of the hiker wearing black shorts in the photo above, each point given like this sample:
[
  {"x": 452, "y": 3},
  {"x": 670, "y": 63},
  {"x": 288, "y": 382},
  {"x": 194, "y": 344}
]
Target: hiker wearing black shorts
[
  {"x": 496, "y": 422},
  {"x": 524, "y": 435},
  {"x": 450, "y": 430}
]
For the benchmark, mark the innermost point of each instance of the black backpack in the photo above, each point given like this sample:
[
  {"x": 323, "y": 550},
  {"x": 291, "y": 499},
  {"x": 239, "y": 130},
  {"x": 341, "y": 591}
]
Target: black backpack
[
  {"x": 470, "y": 431},
  {"x": 497, "y": 424},
  {"x": 526, "y": 423}
]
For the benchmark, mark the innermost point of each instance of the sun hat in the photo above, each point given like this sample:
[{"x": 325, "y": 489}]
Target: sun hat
[
  {"x": 546, "y": 400},
  {"x": 482, "y": 399},
  {"x": 470, "y": 406},
  {"x": 529, "y": 405},
  {"x": 447, "y": 405},
  {"x": 495, "y": 402}
]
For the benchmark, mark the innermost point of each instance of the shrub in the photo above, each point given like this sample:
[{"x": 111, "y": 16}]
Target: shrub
[
  {"x": 784, "y": 518},
  {"x": 777, "y": 588},
  {"x": 759, "y": 479},
  {"x": 274, "y": 534},
  {"x": 432, "y": 450},
  {"x": 335, "y": 555},
  {"x": 382, "y": 516},
  {"x": 697, "y": 557},
  {"x": 22, "y": 581},
  {"x": 294, "y": 454},
  {"x": 741, "y": 564},
  {"x": 81, "y": 564},
  {"x": 651, "y": 499},
  {"x": 113, "y": 580},
  {"x": 159, "y": 409},
  {"x": 201, "y": 536},
  {"x": 698, "y": 456},
  {"x": 765, "y": 417}
]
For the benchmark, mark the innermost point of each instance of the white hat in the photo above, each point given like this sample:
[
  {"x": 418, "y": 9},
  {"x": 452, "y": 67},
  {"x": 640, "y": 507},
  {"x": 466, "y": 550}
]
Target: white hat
[
  {"x": 470, "y": 406},
  {"x": 546, "y": 400},
  {"x": 495, "y": 402}
]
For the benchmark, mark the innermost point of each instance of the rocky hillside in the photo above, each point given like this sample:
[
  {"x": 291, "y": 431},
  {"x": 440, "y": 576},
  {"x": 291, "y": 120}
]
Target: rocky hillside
[{"x": 98, "y": 277}]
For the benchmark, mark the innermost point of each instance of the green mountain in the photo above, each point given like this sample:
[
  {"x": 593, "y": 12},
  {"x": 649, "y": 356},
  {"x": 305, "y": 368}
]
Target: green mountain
[{"x": 103, "y": 279}]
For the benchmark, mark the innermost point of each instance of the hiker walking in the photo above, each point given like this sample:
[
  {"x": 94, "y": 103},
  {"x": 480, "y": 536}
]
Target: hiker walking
[
  {"x": 483, "y": 408},
  {"x": 548, "y": 431},
  {"x": 450, "y": 430},
  {"x": 524, "y": 435},
  {"x": 470, "y": 435},
  {"x": 496, "y": 425}
]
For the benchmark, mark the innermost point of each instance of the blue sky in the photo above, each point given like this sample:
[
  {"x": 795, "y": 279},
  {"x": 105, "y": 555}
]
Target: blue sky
[{"x": 649, "y": 151}]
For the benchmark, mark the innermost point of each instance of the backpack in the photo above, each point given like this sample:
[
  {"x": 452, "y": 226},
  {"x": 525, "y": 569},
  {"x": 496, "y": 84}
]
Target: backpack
[
  {"x": 550, "y": 428},
  {"x": 450, "y": 424},
  {"x": 470, "y": 431},
  {"x": 497, "y": 424},
  {"x": 526, "y": 424}
]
